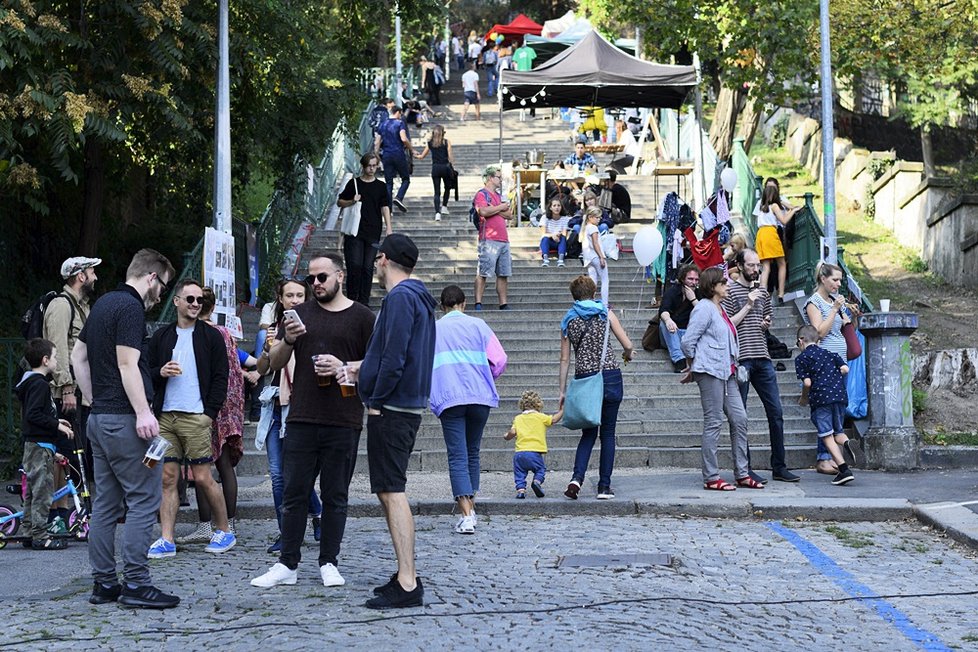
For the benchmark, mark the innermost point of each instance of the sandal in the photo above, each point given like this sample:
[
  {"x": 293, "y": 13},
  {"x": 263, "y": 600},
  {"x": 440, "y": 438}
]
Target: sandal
[
  {"x": 719, "y": 485},
  {"x": 749, "y": 483}
]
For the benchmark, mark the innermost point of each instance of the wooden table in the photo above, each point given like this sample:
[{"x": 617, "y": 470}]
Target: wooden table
[
  {"x": 679, "y": 170},
  {"x": 605, "y": 148}
]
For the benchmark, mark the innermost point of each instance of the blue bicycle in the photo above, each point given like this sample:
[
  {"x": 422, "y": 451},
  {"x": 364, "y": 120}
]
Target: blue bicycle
[{"x": 77, "y": 521}]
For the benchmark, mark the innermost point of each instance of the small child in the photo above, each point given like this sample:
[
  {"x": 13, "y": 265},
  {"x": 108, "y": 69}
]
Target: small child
[
  {"x": 40, "y": 426},
  {"x": 530, "y": 431},
  {"x": 824, "y": 387}
]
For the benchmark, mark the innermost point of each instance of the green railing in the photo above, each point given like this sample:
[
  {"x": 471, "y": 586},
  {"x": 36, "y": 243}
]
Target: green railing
[
  {"x": 749, "y": 185},
  {"x": 804, "y": 254},
  {"x": 11, "y": 351}
]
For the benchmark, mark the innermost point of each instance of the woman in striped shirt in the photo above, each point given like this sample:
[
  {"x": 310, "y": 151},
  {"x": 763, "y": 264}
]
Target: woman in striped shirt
[{"x": 553, "y": 225}]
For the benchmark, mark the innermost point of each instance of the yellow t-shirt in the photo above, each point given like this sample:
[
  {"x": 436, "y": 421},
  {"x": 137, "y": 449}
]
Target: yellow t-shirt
[{"x": 531, "y": 431}]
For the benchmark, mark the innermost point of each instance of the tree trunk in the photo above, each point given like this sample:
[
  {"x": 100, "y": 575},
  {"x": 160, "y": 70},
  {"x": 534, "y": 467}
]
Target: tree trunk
[
  {"x": 751, "y": 119},
  {"x": 725, "y": 121},
  {"x": 94, "y": 196},
  {"x": 927, "y": 152}
]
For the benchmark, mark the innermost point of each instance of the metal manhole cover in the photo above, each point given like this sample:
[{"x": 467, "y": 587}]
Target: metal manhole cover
[{"x": 652, "y": 559}]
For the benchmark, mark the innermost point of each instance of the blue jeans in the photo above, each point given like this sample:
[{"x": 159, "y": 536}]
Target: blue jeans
[
  {"x": 492, "y": 74},
  {"x": 672, "y": 341},
  {"x": 273, "y": 445},
  {"x": 526, "y": 461},
  {"x": 462, "y": 427},
  {"x": 396, "y": 165},
  {"x": 765, "y": 381},
  {"x": 547, "y": 243},
  {"x": 613, "y": 392}
]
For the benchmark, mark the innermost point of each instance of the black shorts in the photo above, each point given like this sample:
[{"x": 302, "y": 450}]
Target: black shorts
[{"x": 390, "y": 440}]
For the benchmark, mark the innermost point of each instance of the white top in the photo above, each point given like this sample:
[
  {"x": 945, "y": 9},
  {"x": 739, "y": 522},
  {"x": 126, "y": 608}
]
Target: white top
[
  {"x": 267, "y": 314},
  {"x": 183, "y": 391},
  {"x": 587, "y": 247},
  {"x": 551, "y": 225},
  {"x": 765, "y": 218},
  {"x": 470, "y": 82},
  {"x": 475, "y": 49}
]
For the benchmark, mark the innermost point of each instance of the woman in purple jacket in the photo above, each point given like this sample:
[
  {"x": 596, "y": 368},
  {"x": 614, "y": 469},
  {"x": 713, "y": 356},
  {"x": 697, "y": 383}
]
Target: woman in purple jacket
[{"x": 468, "y": 359}]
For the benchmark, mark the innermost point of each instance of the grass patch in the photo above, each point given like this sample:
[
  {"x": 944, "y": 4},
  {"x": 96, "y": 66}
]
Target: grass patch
[
  {"x": 940, "y": 438},
  {"x": 850, "y": 538}
]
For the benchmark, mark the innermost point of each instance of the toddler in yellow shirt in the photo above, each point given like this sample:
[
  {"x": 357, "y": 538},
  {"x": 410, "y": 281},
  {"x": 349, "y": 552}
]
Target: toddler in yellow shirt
[{"x": 530, "y": 431}]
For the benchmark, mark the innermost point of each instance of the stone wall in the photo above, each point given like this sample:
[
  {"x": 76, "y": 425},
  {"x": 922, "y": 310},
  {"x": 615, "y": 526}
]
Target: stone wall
[{"x": 952, "y": 235}]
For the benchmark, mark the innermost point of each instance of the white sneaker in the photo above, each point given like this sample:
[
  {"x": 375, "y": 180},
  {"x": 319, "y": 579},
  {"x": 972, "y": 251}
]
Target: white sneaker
[
  {"x": 277, "y": 574},
  {"x": 331, "y": 576},
  {"x": 465, "y": 525},
  {"x": 444, "y": 209},
  {"x": 438, "y": 217}
]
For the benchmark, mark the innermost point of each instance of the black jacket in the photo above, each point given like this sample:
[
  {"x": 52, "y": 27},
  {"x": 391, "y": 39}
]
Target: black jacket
[
  {"x": 39, "y": 420},
  {"x": 212, "y": 365}
]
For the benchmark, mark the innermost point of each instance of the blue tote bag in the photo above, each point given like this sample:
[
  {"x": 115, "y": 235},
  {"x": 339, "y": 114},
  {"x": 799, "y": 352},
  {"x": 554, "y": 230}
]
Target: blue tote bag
[{"x": 585, "y": 395}]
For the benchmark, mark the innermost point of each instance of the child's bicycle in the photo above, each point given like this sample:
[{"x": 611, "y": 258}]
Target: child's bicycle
[{"x": 77, "y": 521}]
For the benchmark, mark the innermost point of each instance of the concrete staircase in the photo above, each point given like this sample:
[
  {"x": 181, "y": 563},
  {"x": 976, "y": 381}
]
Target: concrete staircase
[{"x": 660, "y": 420}]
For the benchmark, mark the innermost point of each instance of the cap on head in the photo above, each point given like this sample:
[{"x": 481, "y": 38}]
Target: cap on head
[
  {"x": 400, "y": 249},
  {"x": 77, "y": 265}
]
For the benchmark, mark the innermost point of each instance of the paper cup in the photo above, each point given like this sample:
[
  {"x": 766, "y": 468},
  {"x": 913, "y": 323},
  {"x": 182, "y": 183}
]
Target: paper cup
[{"x": 884, "y": 305}]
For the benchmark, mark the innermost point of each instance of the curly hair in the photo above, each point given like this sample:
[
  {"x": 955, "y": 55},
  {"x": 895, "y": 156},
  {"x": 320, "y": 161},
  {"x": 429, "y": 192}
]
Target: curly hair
[{"x": 530, "y": 400}]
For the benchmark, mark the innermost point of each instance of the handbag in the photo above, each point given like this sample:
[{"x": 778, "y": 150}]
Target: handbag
[
  {"x": 351, "y": 215},
  {"x": 854, "y": 348},
  {"x": 651, "y": 338},
  {"x": 582, "y": 404}
]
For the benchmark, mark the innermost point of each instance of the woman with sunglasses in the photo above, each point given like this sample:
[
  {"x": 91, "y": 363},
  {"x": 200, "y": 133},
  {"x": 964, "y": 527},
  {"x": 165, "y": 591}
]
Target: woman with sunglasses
[
  {"x": 275, "y": 408},
  {"x": 360, "y": 249},
  {"x": 710, "y": 346}
]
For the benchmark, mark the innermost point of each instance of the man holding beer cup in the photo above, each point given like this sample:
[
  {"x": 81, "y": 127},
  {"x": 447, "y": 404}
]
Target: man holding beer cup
[
  {"x": 328, "y": 338},
  {"x": 189, "y": 367}
]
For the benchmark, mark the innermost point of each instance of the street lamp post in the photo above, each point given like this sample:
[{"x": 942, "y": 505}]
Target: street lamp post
[
  {"x": 222, "y": 127},
  {"x": 828, "y": 138},
  {"x": 398, "y": 70}
]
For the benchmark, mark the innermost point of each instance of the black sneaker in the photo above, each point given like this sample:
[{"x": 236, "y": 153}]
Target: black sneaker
[
  {"x": 383, "y": 587},
  {"x": 851, "y": 453},
  {"x": 147, "y": 597},
  {"x": 679, "y": 366},
  {"x": 537, "y": 489},
  {"x": 395, "y": 597},
  {"x": 757, "y": 478},
  {"x": 844, "y": 477},
  {"x": 786, "y": 476},
  {"x": 102, "y": 594},
  {"x": 400, "y": 205}
]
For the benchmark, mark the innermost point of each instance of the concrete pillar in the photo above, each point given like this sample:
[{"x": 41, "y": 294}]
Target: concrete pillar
[{"x": 892, "y": 441}]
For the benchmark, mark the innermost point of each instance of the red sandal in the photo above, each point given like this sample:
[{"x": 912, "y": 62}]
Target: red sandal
[
  {"x": 719, "y": 485},
  {"x": 749, "y": 483}
]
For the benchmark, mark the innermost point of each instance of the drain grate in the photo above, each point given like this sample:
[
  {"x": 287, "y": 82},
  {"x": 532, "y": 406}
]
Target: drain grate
[{"x": 652, "y": 559}]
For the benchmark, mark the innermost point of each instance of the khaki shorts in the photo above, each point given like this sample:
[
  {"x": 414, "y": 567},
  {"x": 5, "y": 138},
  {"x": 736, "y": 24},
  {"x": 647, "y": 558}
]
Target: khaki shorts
[{"x": 190, "y": 436}]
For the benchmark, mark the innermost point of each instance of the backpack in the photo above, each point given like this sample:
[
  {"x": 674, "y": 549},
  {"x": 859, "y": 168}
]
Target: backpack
[
  {"x": 32, "y": 323},
  {"x": 378, "y": 116},
  {"x": 474, "y": 216}
]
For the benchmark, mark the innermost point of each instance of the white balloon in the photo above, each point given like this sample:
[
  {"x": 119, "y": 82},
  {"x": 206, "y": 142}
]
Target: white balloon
[
  {"x": 647, "y": 245},
  {"x": 728, "y": 179}
]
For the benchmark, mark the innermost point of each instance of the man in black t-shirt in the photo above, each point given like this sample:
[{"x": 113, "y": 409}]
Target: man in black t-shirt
[
  {"x": 677, "y": 304},
  {"x": 360, "y": 249},
  {"x": 113, "y": 374},
  {"x": 325, "y": 416}
]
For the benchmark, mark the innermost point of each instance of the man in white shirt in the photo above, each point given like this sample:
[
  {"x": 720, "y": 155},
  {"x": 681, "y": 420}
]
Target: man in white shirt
[{"x": 470, "y": 86}]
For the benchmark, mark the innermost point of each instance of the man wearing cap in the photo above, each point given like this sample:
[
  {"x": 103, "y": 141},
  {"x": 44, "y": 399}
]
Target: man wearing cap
[
  {"x": 324, "y": 424},
  {"x": 495, "y": 258},
  {"x": 64, "y": 319},
  {"x": 395, "y": 384}
]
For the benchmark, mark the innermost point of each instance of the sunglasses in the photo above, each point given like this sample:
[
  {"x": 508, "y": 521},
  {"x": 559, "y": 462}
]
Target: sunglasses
[
  {"x": 322, "y": 277},
  {"x": 378, "y": 257},
  {"x": 166, "y": 288},
  {"x": 191, "y": 300}
]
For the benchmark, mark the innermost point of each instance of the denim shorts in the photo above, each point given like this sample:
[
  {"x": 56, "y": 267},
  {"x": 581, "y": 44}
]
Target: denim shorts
[
  {"x": 471, "y": 97},
  {"x": 828, "y": 418},
  {"x": 495, "y": 259}
]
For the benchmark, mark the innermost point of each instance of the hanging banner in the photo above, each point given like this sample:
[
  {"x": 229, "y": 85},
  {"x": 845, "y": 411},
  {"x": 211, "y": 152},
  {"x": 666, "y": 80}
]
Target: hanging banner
[{"x": 219, "y": 276}]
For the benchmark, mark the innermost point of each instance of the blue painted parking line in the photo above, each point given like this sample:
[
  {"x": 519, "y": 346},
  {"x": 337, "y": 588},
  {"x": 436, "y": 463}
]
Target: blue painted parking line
[{"x": 848, "y": 583}]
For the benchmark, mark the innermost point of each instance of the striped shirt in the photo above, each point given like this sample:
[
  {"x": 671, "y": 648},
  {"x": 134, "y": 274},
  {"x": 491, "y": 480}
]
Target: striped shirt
[
  {"x": 751, "y": 337},
  {"x": 552, "y": 226}
]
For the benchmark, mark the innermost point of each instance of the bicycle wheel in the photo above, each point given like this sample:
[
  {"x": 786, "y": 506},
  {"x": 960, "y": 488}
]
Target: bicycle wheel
[
  {"x": 9, "y": 528},
  {"x": 78, "y": 524}
]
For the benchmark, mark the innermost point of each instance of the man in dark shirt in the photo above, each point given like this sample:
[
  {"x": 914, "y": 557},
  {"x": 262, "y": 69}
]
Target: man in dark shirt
[
  {"x": 749, "y": 308},
  {"x": 393, "y": 146},
  {"x": 113, "y": 374},
  {"x": 324, "y": 421},
  {"x": 620, "y": 198},
  {"x": 677, "y": 304}
]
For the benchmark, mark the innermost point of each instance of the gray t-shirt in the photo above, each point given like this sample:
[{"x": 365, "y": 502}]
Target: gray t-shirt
[{"x": 117, "y": 319}]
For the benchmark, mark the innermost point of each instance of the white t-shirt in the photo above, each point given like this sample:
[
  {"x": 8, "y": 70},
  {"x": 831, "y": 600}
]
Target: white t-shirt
[
  {"x": 765, "y": 218},
  {"x": 470, "y": 82},
  {"x": 631, "y": 145},
  {"x": 267, "y": 314},
  {"x": 587, "y": 247},
  {"x": 183, "y": 391},
  {"x": 475, "y": 49}
]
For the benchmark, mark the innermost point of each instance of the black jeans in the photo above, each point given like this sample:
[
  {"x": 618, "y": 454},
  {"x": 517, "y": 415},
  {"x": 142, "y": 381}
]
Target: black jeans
[
  {"x": 441, "y": 172},
  {"x": 333, "y": 450},
  {"x": 765, "y": 381},
  {"x": 359, "y": 255}
]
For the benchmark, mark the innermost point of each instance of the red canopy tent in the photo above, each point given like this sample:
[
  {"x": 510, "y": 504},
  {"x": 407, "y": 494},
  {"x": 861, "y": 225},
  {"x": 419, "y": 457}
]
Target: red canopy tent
[{"x": 520, "y": 26}]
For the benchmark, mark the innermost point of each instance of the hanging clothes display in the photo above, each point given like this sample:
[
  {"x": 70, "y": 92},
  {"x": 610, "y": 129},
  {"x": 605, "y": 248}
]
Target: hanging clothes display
[{"x": 706, "y": 252}]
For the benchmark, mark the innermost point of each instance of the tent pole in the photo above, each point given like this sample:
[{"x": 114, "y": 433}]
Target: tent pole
[
  {"x": 499, "y": 102},
  {"x": 699, "y": 125}
]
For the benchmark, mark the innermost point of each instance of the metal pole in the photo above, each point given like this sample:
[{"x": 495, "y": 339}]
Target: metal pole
[
  {"x": 398, "y": 72},
  {"x": 638, "y": 43},
  {"x": 828, "y": 138},
  {"x": 699, "y": 128},
  {"x": 222, "y": 128},
  {"x": 499, "y": 103},
  {"x": 448, "y": 44}
]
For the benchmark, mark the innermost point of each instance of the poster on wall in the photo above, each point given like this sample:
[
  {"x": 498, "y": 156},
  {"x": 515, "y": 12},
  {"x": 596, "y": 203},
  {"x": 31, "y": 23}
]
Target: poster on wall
[{"x": 219, "y": 276}]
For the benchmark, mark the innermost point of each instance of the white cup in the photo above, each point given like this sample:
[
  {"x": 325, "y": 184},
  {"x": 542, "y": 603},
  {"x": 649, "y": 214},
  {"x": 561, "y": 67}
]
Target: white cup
[{"x": 884, "y": 305}]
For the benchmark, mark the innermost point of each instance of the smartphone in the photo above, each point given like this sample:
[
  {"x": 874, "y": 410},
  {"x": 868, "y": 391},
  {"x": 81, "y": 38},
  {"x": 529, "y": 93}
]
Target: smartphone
[
  {"x": 755, "y": 284},
  {"x": 292, "y": 315}
]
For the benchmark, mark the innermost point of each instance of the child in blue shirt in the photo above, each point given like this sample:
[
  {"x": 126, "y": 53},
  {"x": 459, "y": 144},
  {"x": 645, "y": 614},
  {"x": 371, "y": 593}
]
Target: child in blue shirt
[{"x": 824, "y": 388}]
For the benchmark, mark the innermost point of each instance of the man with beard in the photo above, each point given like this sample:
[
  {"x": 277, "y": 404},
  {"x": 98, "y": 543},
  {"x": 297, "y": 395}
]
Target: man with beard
[
  {"x": 113, "y": 373},
  {"x": 749, "y": 307},
  {"x": 64, "y": 319},
  {"x": 329, "y": 339}
]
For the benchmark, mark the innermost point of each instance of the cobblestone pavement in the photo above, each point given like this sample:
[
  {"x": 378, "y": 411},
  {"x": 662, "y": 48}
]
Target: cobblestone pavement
[{"x": 732, "y": 584}]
